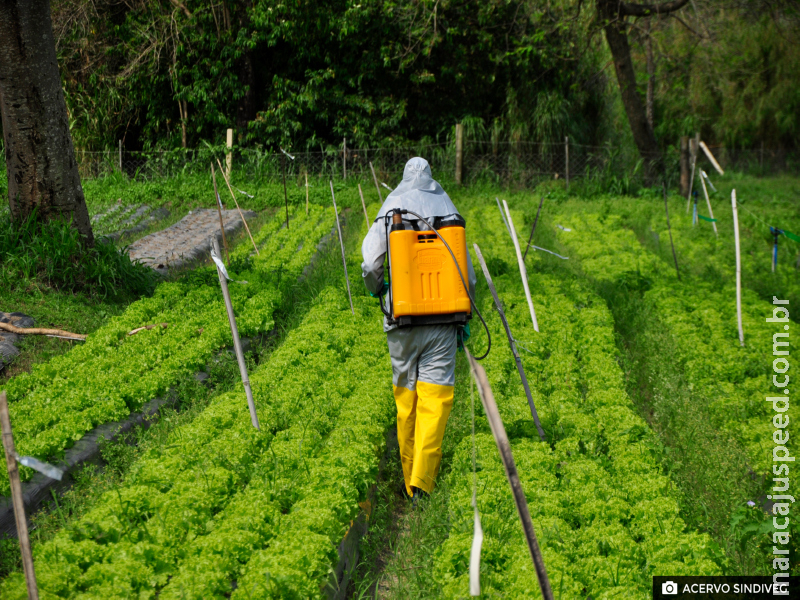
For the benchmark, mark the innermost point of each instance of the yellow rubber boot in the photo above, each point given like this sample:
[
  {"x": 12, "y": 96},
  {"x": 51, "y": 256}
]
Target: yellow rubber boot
[
  {"x": 406, "y": 401},
  {"x": 433, "y": 406}
]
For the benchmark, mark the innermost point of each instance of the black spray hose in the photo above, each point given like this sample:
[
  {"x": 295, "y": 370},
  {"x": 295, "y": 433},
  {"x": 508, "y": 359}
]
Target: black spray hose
[{"x": 460, "y": 274}]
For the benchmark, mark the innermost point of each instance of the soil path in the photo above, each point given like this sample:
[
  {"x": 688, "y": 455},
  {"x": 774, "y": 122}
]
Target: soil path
[{"x": 186, "y": 241}]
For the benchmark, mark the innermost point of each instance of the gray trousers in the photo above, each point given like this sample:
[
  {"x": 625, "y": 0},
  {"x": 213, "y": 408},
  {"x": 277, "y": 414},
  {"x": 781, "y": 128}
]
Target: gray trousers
[{"x": 425, "y": 353}]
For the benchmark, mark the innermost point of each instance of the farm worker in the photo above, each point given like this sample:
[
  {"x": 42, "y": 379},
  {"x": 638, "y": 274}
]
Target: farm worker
[{"x": 423, "y": 356}]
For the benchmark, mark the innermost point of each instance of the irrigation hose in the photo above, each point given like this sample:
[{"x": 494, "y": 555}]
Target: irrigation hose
[{"x": 460, "y": 274}]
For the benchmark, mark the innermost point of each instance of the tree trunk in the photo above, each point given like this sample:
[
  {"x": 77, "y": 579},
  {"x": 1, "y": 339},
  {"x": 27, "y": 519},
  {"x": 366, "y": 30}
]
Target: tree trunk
[
  {"x": 246, "y": 108},
  {"x": 40, "y": 159},
  {"x": 643, "y": 136},
  {"x": 651, "y": 79},
  {"x": 684, "y": 160}
]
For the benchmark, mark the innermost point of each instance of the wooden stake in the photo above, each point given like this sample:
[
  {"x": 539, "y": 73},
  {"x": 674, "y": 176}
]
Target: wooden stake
[
  {"x": 738, "y": 267},
  {"x": 711, "y": 158},
  {"x": 708, "y": 202},
  {"x": 459, "y": 152},
  {"x": 566, "y": 161},
  {"x": 219, "y": 210},
  {"x": 535, "y": 221},
  {"x": 375, "y": 179},
  {"x": 522, "y": 270},
  {"x": 504, "y": 447},
  {"x": 511, "y": 342},
  {"x": 669, "y": 228},
  {"x": 230, "y": 189},
  {"x": 694, "y": 149},
  {"x": 306, "y": 193},
  {"x": 17, "y": 499},
  {"x": 341, "y": 243},
  {"x": 228, "y": 155},
  {"x": 285, "y": 196},
  {"x": 364, "y": 206},
  {"x": 344, "y": 158},
  {"x": 502, "y": 214},
  {"x": 237, "y": 344}
]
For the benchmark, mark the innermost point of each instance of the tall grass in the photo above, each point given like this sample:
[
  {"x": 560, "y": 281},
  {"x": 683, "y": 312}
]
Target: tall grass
[{"x": 53, "y": 254}]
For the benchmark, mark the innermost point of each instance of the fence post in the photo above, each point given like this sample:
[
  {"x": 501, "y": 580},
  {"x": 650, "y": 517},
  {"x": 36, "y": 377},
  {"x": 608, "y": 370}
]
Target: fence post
[
  {"x": 344, "y": 159},
  {"x": 228, "y": 157},
  {"x": 684, "y": 160},
  {"x": 566, "y": 152},
  {"x": 120, "y": 156},
  {"x": 459, "y": 152}
]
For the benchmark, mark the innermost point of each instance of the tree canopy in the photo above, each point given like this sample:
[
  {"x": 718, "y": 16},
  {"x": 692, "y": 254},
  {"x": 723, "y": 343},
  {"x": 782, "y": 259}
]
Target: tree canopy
[{"x": 161, "y": 73}]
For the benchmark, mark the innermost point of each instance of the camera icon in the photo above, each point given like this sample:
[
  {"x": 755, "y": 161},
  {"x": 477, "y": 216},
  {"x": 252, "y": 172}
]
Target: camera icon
[{"x": 669, "y": 588}]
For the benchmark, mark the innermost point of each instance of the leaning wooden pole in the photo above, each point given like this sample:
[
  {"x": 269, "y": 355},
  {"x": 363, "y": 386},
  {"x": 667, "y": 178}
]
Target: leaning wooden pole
[
  {"x": 738, "y": 267},
  {"x": 306, "y": 193},
  {"x": 17, "y": 499},
  {"x": 522, "y": 270},
  {"x": 341, "y": 243},
  {"x": 363, "y": 205},
  {"x": 244, "y": 221},
  {"x": 375, "y": 179},
  {"x": 237, "y": 344},
  {"x": 504, "y": 447},
  {"x": 219, "y": 210},
  {"x": 535, "y": 221},
  {"x": 511, "y": 342}
]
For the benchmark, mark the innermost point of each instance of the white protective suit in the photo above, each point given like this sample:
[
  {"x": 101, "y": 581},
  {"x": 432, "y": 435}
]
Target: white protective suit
[{"x": 423, "y": 356}]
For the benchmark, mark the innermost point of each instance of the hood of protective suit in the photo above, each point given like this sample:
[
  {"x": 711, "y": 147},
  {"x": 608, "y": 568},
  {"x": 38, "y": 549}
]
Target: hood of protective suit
[{"x": 419, "y": 192}]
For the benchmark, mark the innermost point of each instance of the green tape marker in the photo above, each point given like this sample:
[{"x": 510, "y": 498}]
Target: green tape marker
[
  {"x": 791, "y": 236},
  {"x": 707, "y": 219}
]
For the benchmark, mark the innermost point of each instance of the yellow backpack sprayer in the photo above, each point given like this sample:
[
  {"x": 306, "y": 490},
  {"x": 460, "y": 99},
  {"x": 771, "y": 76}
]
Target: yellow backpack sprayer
[{"x": 426, "y": 272}]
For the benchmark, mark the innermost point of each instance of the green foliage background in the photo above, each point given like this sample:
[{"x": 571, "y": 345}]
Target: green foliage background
[{"x": 304, "y": 73}]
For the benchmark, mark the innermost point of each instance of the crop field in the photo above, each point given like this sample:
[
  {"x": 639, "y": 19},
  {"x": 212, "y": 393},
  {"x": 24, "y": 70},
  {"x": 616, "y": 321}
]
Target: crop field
[{"x": 658, "y": 450}]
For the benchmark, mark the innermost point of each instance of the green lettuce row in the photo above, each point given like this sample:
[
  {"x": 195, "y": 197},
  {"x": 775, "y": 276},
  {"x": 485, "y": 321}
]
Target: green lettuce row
[
  {"x": 113, "y": 374},
  {"x": 186, "y": 518},
  {"x": 702, "y": 320},
  {"x": 712, "y": 256},
  {"x": 606, "y": 518}
]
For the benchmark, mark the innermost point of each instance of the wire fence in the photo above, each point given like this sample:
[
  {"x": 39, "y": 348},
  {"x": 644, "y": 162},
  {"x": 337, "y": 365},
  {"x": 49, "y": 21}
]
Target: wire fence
[{"x": 523, "y": 164}]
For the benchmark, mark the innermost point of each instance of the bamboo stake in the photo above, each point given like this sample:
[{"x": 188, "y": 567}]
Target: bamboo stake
[
  {"x": 535, "y": 221},
  {"x": 522, "y": 270},
  {"x": 341, "y": 243},
  {"x": 511, "y": 342},
  {"x": 375, "y": 179},
  {"x": 695, "y": 149},
  {"x": 219, "y": 210},
  {"x": 228, "y": 155},
  {"x": 237, "y": 344},
  {"x": 306, "y": 193},
  {"x": 17, "y": 499},
  {"x": 364, "y": 206},
  {"x": 504, "y": 447},
  {"x": 502, "y": 214},
  {"x": 230, "y": 189},
  {"x": 712, "y": 159},
  {"x": 708, "y": 202},
  {"x": 738, "y": 267},
  {"x": 669, "y": 228}
]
